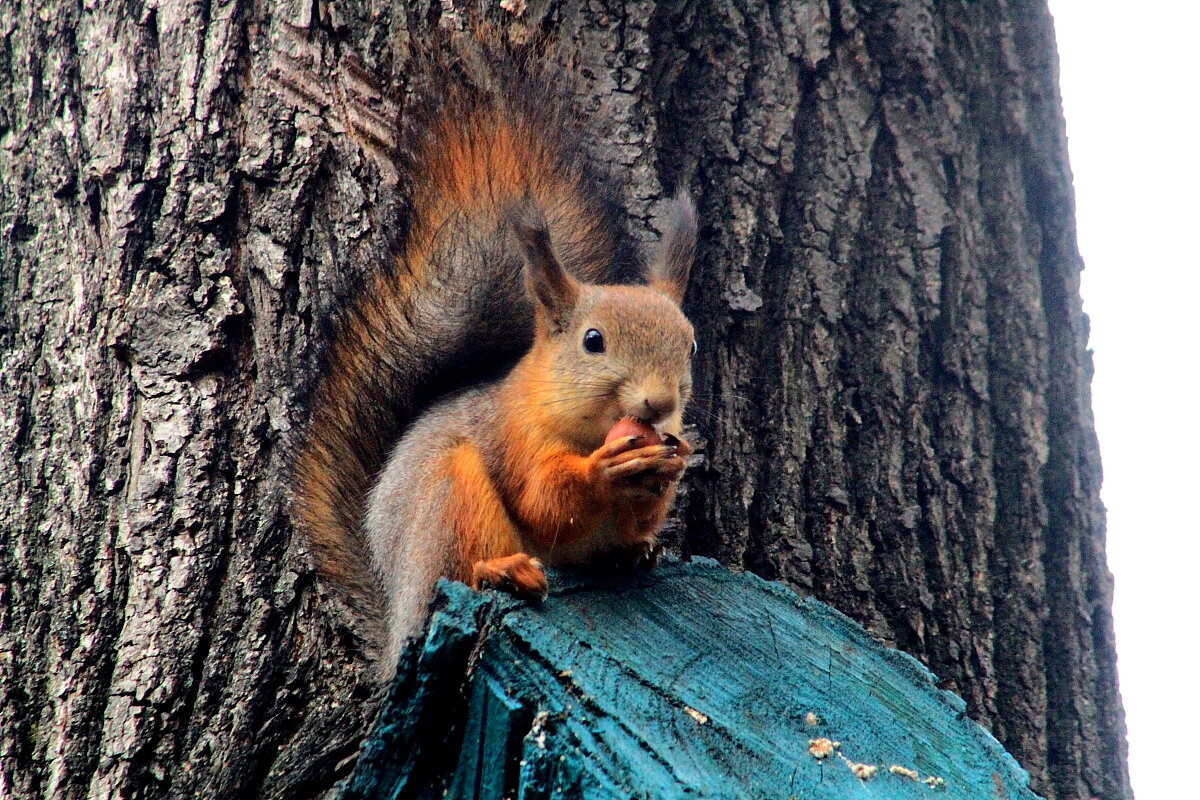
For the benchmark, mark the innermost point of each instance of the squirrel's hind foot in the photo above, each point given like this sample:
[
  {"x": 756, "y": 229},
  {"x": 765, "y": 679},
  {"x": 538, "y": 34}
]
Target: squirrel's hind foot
[
  {"x": 517, "y": 574},
  {"x": 635, "y": 557}
]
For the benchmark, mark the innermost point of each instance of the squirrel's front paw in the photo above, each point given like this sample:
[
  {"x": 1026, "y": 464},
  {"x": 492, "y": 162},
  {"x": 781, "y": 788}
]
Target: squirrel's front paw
[
  {"x": 517, "y": 574},
  {"x": 638, "y": 472}
]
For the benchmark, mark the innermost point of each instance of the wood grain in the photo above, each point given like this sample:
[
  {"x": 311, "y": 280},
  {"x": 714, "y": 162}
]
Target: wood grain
[{"x": 691, "y": 682}]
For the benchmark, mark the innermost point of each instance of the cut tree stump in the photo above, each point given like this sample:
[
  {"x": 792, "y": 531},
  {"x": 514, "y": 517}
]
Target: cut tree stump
[{"x": 690, "y": 681}]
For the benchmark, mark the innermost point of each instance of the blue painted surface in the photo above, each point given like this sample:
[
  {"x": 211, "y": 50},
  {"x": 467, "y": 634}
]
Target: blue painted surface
[{"x": 688, "y": 682}]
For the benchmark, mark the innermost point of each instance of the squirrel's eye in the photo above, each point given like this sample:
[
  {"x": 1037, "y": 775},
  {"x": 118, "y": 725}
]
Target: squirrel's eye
[{"x": 593, "y": 341}]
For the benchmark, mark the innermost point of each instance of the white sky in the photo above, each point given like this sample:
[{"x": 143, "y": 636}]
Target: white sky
[{"x": 1131, "y": 89}]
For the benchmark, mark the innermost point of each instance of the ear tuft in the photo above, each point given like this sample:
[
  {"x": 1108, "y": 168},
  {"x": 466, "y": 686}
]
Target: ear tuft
[
  {"x": 554, "y": 292},
  {"x": 672, "y": 262}
]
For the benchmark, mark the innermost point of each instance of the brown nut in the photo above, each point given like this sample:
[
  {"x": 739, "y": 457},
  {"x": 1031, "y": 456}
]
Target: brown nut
[{"x": 629, "y": 426}]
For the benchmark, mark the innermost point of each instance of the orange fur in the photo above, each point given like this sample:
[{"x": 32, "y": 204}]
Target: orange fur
[
  {"x": 489, "y": 157},
  {"x": 479, "y": 152},
  {"x": 548, "y": 498},
  {"x": 560, "y": 494},
  {"x": 477, "y": 515},
  {"x": 475, "y": 279}
]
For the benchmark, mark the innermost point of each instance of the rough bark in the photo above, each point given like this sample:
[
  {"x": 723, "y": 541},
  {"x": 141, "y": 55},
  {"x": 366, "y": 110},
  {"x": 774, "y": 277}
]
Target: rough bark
[{"x": 893, "y": 380}]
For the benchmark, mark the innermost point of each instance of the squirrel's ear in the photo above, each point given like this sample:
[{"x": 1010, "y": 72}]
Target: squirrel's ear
[
  {"x": 672, "y": 262},
  {"x": 554, "y": 292}
]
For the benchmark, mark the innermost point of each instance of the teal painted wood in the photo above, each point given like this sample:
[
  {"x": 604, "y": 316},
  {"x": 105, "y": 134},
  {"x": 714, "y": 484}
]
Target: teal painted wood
[{"x": 690, "y": 682}]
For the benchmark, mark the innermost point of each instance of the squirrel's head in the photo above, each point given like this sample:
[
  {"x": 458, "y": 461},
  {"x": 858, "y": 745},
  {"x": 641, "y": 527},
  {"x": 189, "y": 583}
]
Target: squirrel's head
[{"x": 607, "y": 352}]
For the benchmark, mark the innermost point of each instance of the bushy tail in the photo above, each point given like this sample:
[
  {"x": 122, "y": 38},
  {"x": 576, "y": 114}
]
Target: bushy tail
[{"x": 491, "y": 130}]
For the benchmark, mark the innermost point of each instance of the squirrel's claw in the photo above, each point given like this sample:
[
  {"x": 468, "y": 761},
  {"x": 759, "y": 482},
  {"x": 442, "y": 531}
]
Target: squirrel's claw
[
  {"x": 634, "y": 557},
  {"x": 644, "y": 459},
  {"x": 658, "y": 460},
  {"x": 617, "y": 447}
]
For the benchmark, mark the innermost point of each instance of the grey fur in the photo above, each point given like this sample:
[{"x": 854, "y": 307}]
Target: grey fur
[
  {"x": 554, "y": 290},
  {"x": 406, "y": 511},
  {"x": 670, "y": 267}
]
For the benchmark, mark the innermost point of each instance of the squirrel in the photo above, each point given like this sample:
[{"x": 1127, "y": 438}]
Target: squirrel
[{"x": 517, "y": 329}]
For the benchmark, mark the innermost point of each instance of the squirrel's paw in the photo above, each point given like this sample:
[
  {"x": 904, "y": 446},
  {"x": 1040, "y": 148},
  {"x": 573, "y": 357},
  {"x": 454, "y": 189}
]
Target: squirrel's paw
[
  {"x": 646, "y": 472},
  {"x": 633, "y": 557},
  {"x": 681, "y": 445},
  {"x": 517, "y": 574}
]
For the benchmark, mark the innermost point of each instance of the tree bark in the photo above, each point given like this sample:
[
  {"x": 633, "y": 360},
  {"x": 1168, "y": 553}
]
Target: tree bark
[{"x": 892, "y": 385}]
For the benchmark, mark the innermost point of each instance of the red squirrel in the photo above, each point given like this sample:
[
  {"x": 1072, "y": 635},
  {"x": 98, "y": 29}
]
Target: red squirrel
[{"x": 512, "y": 251}]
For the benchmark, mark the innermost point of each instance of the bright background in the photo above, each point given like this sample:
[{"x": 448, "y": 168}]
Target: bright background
[{"x": 1131, "y": 89}]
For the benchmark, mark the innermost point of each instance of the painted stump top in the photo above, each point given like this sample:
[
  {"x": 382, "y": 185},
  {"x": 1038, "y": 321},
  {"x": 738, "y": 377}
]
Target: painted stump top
[{"x": 690, "y": 681}]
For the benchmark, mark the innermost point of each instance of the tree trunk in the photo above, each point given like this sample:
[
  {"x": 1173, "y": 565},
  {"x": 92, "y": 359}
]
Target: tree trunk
[{"x": 892, "y": 386}]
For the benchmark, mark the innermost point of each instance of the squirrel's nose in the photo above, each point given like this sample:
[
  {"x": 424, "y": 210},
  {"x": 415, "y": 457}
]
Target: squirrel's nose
[{"x": 657, "y": 406}]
